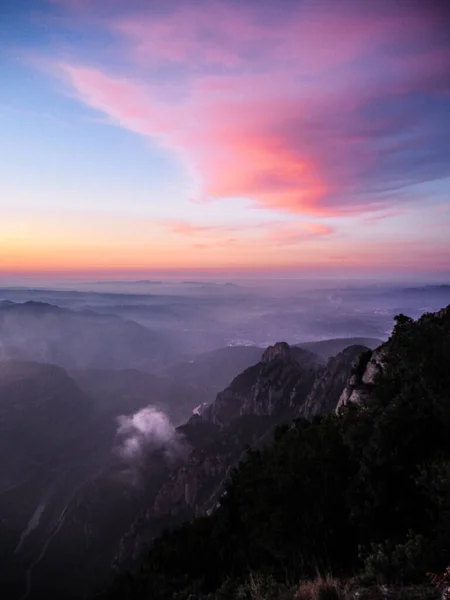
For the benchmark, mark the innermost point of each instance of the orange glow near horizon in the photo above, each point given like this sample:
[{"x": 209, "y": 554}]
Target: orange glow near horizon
[{"x": 234, "y": 137}]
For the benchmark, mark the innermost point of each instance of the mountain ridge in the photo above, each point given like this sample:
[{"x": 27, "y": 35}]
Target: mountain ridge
[
  {"x": 366, "y": 490},
  {"x": 43, "y": 332},
  {"x": 245, "y": 414}
]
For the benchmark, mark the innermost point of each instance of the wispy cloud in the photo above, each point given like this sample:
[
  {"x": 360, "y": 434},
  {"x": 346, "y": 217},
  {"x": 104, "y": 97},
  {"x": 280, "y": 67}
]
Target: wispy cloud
[
  {"x": 319, "y": 112},
  {"x": 146, "y": 432},
  {"x": 258, "y": 235},
  {"x": 267, "y": 134}
]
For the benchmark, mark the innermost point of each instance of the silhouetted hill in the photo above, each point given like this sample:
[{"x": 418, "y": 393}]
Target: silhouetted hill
[
  {"x": 42, "y": 332},
  {"x": 365, "y": 491},
  {"x": 51, "y": 441},
  {"x": 73, "y": 507},
  {"x": 244, "y": 414},
  {"x": 215, "y": 369},
  {"x": 66, "y": 498}
]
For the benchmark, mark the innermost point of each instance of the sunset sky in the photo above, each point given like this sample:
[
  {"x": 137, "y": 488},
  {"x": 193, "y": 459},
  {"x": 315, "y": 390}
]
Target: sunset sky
[{"x": 261, "y": 136}]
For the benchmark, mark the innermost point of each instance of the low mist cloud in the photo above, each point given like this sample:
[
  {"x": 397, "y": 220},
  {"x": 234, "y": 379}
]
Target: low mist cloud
[{"x": 148, "y": 430}]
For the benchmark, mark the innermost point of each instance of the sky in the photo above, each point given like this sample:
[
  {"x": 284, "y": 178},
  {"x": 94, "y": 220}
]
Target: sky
[{"x": 265, "y": 137}]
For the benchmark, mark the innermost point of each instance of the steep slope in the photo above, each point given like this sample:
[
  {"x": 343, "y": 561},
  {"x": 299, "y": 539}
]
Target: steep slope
[
  {"x": 65, "y": 497},
  {"x": 328, "y": 386},
  {"x": 364, "y": 492},
  {"x": 50, "y": 434},
  {"x": 385, "y": 360},
  {"x": 245, "y": 414},
  {"x": 41, "y": 332},
  {"x": 215, "y": 369},
  {"x": 67, "y": 504},
  {"x": 256, "y": 400},
  {"x": 273, "y": 387}
]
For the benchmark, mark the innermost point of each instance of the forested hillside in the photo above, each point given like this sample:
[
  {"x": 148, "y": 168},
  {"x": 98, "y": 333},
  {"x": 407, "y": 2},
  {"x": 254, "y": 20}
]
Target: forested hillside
[{"x": 364, "y": 491}]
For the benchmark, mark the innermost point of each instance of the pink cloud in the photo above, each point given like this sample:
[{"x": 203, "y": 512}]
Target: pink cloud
[
  {"x": 224, "y": 142},
  {"x": 247, "y": 236},
  {"x": 188, "y": 35},
  {"x": 311, "y": 36},
  {"x": 257, "y": 110},
  {"x": 190, "y": 229},
  {"x": 296, "y": 233},
  {"x": 381, "y": 216},
  {"x": 126, "y": 102}
]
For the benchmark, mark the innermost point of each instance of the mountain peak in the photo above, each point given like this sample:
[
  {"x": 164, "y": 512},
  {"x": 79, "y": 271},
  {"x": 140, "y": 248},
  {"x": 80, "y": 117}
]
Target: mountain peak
[
  {"x": 31, "y": 306},
  {"x": 278, "y": 350}
]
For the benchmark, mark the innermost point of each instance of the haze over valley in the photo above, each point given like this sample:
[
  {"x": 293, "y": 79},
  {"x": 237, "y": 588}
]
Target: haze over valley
[
  {"x": 99, "y": 387},
  {"x": 225, "y": 300}
]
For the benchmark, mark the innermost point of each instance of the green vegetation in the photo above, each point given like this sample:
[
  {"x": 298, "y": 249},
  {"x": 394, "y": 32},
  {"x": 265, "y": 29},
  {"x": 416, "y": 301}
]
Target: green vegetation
[{"x": 364, "y": 494}]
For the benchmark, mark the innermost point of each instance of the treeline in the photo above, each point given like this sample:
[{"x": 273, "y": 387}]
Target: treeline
[{"x": 365, "y": 492}]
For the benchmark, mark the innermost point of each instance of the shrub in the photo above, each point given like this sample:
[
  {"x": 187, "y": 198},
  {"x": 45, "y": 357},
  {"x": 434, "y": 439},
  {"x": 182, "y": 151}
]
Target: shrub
[{"x": 320, "y": 589}]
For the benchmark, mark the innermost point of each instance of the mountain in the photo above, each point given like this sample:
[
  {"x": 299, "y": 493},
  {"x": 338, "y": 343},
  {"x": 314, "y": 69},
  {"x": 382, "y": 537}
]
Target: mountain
[
  {"x": 329, "y": 348},
  {"x": 331, "y": 382},
  {"x": 215, "y": 369},
  {"x": 273, "y": 387},
  {"x": 362, "y": 491},
  {"x": 257, "y": 399},
  {"x": 73, "y": 506},
  {"x": 66, "y": 497},
  {"x": 245, "y": 414},
  {"x": 69, "y": 504},
  {"x": 41, "y": 332},
  {"x": 388, "y": 357},
  {"x": 52, "y": 442}
]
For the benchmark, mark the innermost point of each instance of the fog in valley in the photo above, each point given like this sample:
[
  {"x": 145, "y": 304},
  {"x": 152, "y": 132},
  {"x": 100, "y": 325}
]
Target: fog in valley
[
  {"x": 179, "y": 320},
  {"x": 96, "y": 383}
]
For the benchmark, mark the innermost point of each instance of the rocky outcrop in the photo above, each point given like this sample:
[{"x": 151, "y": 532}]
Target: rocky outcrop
[
  {"x": 376, "y": 363},
  {"x": 188, "y": 487},
  {"x": 274, "y": 387},
  {"x": 328, "y": 387},
  {"x": 288, "y": 382},
  {"x": 280, "y": 350},
  {"x": 374, "y": 366},
  {"x": 362, "y": 380}
]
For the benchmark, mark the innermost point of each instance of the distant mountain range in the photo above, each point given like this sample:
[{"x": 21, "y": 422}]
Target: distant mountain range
[
  {"x": 215, "y": 369},
  {"x": 38, "y": 331},
  {"x": 73, "y": 503},
  {"x": 359, "y": 489},
  {"x": 68, "y": 509}
]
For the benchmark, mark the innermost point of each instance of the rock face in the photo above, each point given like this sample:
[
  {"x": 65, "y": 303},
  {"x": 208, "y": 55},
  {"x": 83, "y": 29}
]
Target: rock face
[
  {"x": 372, "y": 364},
  {"x": 288, "y": 382},
  {"x": 273, "y": 387},
  {"x": 361, "y": 381},
  {"x": 279, "y": 350},
  {"x": 328, "y": 387}
]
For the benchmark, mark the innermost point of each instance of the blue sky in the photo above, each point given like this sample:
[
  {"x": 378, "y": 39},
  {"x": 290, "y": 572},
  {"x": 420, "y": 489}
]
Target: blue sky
[{"x": 272, "y": 137}]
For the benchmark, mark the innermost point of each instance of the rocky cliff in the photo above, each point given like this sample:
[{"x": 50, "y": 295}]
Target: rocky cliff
[
  {"x": 320, "y": 494},
  {"x": 274, "y": 387},
  {"x": 376, "y": 363},
  {"x": 286, "y": 383},
  {"x": 361, "y": 380},
  {"x": 329, "y": 385}
]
